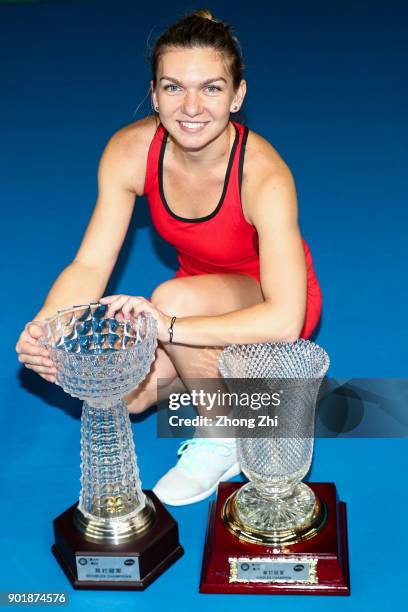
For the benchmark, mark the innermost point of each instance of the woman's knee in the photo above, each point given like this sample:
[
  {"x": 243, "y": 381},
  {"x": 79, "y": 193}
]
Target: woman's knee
[
  {"x": 174, "y": 297},
  {"x": 206, "y": 295},
  {"x": 137, "y": 402},
  {"x": 162, "y": 373}
]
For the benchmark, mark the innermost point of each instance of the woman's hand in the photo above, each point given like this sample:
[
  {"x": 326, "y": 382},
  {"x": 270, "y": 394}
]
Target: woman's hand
[
  {"x": 126, "y": 306},
  {"x": 33, "y": 355}
]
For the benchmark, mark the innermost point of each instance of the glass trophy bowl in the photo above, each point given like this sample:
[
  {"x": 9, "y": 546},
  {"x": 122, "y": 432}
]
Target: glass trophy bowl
[
  {"x": 99, "y": 360},
  {"x": 275, "y": 506},
  {"x": 275, "y": 534}
]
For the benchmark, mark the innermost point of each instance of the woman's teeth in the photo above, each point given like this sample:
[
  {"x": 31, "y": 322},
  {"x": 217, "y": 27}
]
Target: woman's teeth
[{"x": 192, "y": 126}]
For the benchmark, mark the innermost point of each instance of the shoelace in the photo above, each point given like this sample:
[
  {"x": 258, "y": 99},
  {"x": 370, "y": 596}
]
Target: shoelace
[{"x": 189, "y": 458}]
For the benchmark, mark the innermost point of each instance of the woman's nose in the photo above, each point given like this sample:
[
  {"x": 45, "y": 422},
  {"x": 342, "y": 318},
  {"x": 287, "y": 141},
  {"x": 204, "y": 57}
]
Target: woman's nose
[{"x": 191, "y": 104}]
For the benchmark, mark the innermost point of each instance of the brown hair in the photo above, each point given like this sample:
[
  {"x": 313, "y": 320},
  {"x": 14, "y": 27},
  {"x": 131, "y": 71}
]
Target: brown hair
[{"x": 200, "y": 29}]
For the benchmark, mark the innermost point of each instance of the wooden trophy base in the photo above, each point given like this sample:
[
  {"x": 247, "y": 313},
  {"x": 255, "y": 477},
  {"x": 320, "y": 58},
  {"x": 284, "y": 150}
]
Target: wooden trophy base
[
  {"x": 131, "y": 565},
  {"x": 318, "y": 566}
]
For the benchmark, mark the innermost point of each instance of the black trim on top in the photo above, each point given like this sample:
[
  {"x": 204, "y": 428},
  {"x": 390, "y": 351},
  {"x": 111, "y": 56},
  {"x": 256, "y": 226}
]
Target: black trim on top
[
  {"x": 241, "y": 158},
  {"x": 224, "y": 191}
]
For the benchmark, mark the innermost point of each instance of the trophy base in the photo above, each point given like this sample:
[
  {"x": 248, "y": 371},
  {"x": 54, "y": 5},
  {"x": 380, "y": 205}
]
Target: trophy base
[
  {"x": 130, "y": 565},
  {"x": 315, "y": 566}
]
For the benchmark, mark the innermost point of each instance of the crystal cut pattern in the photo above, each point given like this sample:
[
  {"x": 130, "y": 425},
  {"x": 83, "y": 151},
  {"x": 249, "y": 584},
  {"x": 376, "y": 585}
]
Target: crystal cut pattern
[
  {"x": 275, "y": 500},
  {"x": 99, "y": 360}
]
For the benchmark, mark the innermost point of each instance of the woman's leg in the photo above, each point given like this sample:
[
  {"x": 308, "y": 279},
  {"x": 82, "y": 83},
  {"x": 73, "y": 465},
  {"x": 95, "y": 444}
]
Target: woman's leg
[
  {"x": 162, "y": 380},
  {"x": 206, "y": 460},
  {"x": 203, "y": 295}
]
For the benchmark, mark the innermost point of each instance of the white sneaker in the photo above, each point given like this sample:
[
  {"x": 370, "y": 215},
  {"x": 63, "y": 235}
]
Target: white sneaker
[{"x": 203, "y": 463}]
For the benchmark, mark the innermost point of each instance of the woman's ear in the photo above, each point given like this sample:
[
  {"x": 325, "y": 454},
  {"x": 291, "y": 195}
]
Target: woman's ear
[
  {"x": 153, "y": 95},
  {"x": 239, "y": 97}
]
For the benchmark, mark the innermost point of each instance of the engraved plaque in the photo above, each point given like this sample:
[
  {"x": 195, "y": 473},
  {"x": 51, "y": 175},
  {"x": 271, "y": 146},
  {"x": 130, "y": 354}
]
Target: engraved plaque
[
  {"x": 107, "y": 568},
  {"x": 272, "y": 570}
]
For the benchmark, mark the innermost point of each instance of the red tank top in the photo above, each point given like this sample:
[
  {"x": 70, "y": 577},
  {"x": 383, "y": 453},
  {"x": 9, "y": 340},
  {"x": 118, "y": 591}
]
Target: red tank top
[{"x": 223, "y": 241}]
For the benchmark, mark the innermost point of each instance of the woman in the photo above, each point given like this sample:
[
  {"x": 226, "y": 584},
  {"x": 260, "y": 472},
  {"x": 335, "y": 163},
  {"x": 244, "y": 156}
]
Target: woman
[{"x": 223, "y": 196}]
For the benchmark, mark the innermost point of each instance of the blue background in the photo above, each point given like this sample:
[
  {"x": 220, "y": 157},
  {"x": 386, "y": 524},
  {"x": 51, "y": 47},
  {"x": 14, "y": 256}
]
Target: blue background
[{"x": 327, "y": 87}]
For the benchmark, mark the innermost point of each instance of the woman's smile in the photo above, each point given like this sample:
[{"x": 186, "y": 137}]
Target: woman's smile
[{"x": 192, "y": 127}]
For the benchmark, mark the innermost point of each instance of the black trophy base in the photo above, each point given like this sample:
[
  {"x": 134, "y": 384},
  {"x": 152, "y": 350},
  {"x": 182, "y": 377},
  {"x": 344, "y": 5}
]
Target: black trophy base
[{"x": 129, "y": 566}]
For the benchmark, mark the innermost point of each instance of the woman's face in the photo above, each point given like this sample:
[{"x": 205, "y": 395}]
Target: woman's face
[{"x": 195, "y": 95}]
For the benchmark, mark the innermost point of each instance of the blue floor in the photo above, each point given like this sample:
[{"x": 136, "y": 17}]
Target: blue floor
[{"x": 326, "y": 86}]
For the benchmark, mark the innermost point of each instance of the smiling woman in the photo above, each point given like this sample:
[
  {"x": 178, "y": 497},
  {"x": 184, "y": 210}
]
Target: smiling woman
[
  {"x": 226, "y": 200},
  {"x": 190, "y": 102},
  {"x": 206, "y": 102}
]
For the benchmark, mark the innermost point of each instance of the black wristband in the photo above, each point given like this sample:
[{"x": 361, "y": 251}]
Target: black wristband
[{"x": 170, "y": 330}]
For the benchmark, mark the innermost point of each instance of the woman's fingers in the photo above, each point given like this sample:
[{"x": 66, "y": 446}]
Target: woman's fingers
[
  {"x": 107, "y": 299},
  {"x": 51, "y": 378},
  {"x": 114, "y": 303},
  {"x": 127, "y": 307},
  {"x": 49, "y": 371},
  {"x": 135, "y": 305},
  {"x": 28, "y": 341},
  {"x": 31, "y": 347},
  {"x": 29, "y": 352},
  {"x": 36, "y": 360},
  {"x": 38, "y": 364},
  {"x": 34, "y": 356},
  {"x": 34, "y": 330},
  {"x": 125, "y": 304}
]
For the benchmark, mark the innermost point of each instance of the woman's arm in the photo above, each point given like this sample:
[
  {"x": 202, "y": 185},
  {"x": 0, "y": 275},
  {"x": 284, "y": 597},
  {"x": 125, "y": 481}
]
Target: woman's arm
[
  {"x": 85, "y": 279},
  {"x": 120, "y": 178},
  {"x": 283, "y": 279}
]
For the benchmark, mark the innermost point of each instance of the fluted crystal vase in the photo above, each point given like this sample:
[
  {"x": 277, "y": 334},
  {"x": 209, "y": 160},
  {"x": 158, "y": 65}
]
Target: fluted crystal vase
[
  {"x": 275, "y": 506},
  {"x": 99, "y": 360}
]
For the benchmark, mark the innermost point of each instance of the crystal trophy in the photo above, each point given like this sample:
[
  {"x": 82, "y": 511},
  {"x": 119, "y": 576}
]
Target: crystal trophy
[
  {"x": 276, "y": 534},
  {"x": 118, "y": 536}
]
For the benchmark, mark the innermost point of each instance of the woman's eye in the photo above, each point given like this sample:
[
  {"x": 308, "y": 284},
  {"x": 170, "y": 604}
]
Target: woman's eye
[{"x": 210, "y": 88}]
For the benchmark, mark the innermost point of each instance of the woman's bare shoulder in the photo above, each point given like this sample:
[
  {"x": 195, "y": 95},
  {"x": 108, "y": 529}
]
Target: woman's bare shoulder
[
  {"x": 261, "y": 162},
  {"x": 128, "y": 148},
  {"x": 261, "y": 157}
]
